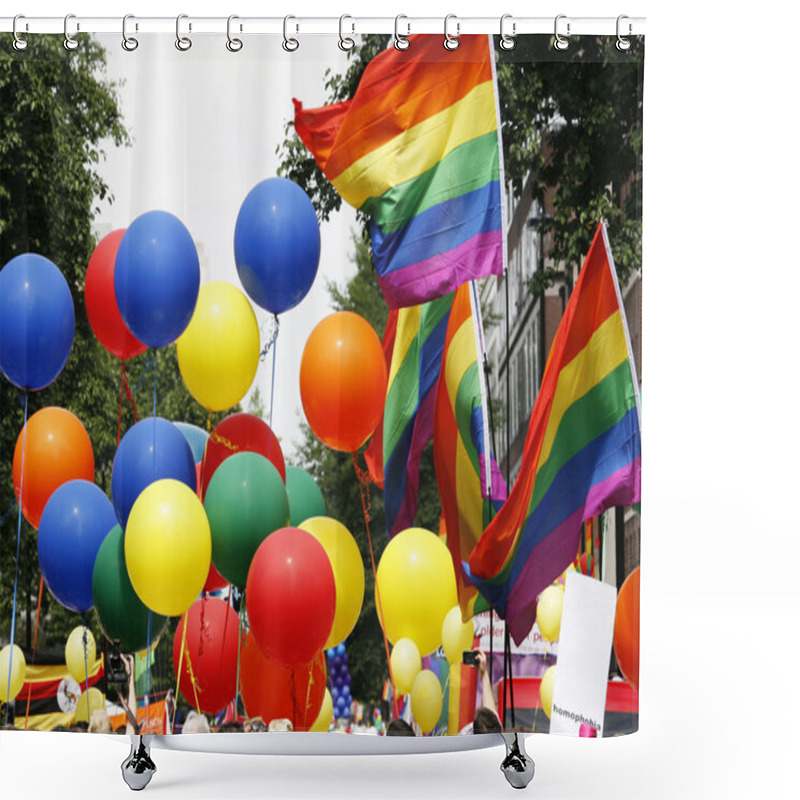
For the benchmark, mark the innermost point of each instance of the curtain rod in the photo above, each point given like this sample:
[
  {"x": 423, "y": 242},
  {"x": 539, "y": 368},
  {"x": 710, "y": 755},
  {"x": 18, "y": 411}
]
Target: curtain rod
[{"x": 349, "y": 25}]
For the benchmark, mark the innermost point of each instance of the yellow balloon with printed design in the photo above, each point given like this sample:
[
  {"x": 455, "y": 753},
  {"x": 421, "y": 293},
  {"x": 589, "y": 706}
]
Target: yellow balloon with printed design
[
  {"x": 406, "y": 664},
  {"x": 548, "y": 612},
  {"x": 426, "y": 700},
  {"x": 415, "y": 588},
  {"x": 77, "y": 663},
  {"x": 218, "y": 352},
  {"x": 168, "y": 547},
  {"x": 88, "y": 703},
  {"x": 12, "y": 656},
  {"x": 348, "y": 573},
  {"x": 546, "y": 690},
  {"x": 323, "y": 721},
  {"x": 457, "y": 636}
]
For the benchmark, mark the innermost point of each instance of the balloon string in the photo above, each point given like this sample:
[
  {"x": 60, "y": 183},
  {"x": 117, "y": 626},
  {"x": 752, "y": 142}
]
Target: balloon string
[
  {"x": 35, "y": 637},
  {"x": 85, "y": 641},
  {"x": 148, "y": 686},
  {"x": 227, "y": 443},
  {"x": 16, "y": 562},
  {"x": 272, "y": 339},
  {"x": 155, "y": 383},
  {"x": 125, "y": 391},
  {"x": 272, "y": 384},
  {"x": 364, "y": 479}
]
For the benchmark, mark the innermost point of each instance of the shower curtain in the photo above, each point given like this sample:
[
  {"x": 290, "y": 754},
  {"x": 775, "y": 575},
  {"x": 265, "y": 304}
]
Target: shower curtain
[{"x": 321, "y": 363}]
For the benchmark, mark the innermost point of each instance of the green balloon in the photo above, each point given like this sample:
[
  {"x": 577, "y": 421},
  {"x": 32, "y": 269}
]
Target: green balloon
[
  {"x": 245, "y": 502},
  {"x": 305, "y": 497},
  {"x": 122, "y": 615}
]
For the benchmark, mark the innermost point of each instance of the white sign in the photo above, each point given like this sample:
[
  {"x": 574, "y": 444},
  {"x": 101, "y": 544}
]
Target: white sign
[
  {"x": 587, "y": 628},
  {"x": 533, "y": 644}
]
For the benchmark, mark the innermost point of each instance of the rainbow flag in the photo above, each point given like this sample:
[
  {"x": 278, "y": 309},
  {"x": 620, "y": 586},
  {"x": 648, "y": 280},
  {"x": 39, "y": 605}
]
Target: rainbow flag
[
  {"x": 417, "y": 149},
  {"x": 582, "y": 452},
  {"x": 460, "y": 441},
  {"x": 410, "y": 399}
]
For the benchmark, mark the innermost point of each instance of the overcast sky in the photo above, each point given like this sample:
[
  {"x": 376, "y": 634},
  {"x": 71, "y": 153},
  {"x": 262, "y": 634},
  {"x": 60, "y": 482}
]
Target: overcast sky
[{"x": 205, "y": 125}]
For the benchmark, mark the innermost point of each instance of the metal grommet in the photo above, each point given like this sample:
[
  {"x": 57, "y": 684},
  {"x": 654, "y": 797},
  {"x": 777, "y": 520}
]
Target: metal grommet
[
  {"x": 401, "y": 42},
  {"x": 290, "y": 44},
  {"x": 129, "y": 43},
  {"x": 70, "y": 42},
  {"x": 623, "y": 43},
  {"x": 451, "y": 42},
  {"x": 345, "y": 42},
  {"x": 183, "y": 43},
  {"x": 19, "y": 42},
  {"x": 234, "y": 45},
  {"x": 560, "y": 43},
  {"x": 507, "y": 42}
]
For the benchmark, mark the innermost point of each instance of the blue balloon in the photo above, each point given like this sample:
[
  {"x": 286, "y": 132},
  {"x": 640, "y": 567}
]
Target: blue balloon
[
  {"x": 77, "y": 518},
  {"x": 156, "y": 278},
  {"x": 151, "y": 450},
  {"x": 276, "y": 244},
  {"x": 37, "y": 321},
  {"x": 196, "y": 437},
  {"x": 338, "y": 682},
  {"x": 340, "y": 649}
]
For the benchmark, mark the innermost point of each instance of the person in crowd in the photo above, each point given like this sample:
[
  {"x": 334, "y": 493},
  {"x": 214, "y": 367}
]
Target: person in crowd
[
  {"x": 99, "y": 722},
  {"x": 254, "y": 725},
  {"x": 281, "y": 724},
  {"x": 196, "y": 723},
  {"x": 231, "y": 727},
  {"x": 399, "y": 727},
  {"x": 486, "y": 719},
  {"x": 130, "y": 704}
]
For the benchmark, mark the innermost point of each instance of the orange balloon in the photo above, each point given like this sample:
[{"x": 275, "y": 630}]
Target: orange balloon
[
  {"x": 626, "y": 629},
  {"x": 57, "y": 450},
  {"x": 343, "y": 381}
]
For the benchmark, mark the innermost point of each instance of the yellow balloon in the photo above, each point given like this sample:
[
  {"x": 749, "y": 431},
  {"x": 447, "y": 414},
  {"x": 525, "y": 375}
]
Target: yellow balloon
[
  {"x": 168, "y": 547},
  {"x": 348, "y": 573},
  {"x": 219, "y": 350},
  {"x": 457, "y": 636},
  {"x": 546, "y": 690},
  {"x": 415, "y": 588},
  {"x": 12, "y": 653},
  {"x": 548, "y": 612},
  {"x": 323, "y": 721},
  {"x": 93, "y": 700},
  {"x": 74, "y": 653},
  {"x": 406, "y": 664},
  {"x": 426, "y": 700}
]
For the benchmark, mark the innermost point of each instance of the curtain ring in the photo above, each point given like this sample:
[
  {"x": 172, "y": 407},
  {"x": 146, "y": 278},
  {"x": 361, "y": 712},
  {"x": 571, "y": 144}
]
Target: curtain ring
[
  {"x": 19, "y": 42},
  {"x": 451, "y": 42},
  {"x": 345, "y": 42},
  {"x": 290, "y": 44},
  {"x": 560, "y": 43},
  {"x": 129, "y": 43},
  {"x": 70, "y": 42},
  {"x": 183, "y": 43},
  {"x": 234, "y": 45},
  {"x": 623, "y": 43},
  {"x": 401, "y": 42},
  {"x": 507, "y": 42}
]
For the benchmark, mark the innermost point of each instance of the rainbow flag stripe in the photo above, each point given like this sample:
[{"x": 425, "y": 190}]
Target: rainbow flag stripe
[
  {"x": 408, "y": 413},
  {"x": 582, "y": 452},
  {"x": 460, "y": 444},
  {"x": 417, "y": 149}
]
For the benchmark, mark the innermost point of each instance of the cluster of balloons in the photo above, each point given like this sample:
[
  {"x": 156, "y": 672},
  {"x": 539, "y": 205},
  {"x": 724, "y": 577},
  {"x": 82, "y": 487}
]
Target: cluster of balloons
[{"x": 339, "y": 673}]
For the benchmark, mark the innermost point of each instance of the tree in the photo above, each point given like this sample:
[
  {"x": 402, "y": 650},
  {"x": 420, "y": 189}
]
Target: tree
[{"x": 57, "y": 111}]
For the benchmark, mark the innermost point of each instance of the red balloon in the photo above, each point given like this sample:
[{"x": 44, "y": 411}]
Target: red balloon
[
  {"x": 240, "y": 433},
  {"x": 271, "y": 691},
  {"x": 57, "y": 450},
  {"x": 343, "y": 381},
  {"x": 212, "y": 639},
  {"x": 214, "y": 581},
  {"x": 626, "y": 629},
  {"x": 101, "y": 301},
  {"x": 291, "y": 597}
]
